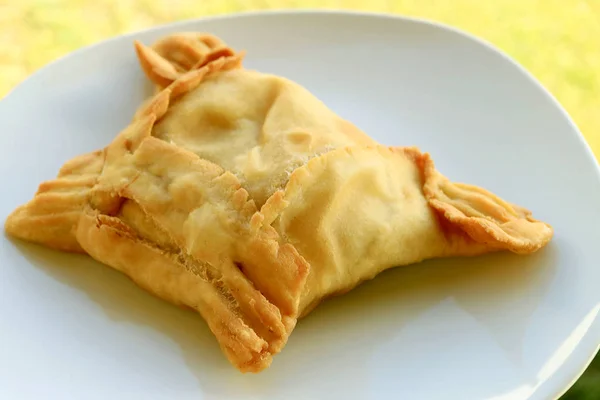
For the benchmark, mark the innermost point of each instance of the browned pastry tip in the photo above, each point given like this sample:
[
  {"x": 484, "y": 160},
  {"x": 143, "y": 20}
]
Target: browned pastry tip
[
  {"x": 485, "y": 217},
  {"x": 50, "y": 218},
  {"x": 174, "y": 55}
]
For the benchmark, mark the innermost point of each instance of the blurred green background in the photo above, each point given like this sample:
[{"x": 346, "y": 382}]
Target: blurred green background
[{"x": 557, "y": 40}]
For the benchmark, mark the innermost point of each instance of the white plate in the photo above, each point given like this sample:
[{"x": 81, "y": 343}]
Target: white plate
[{"x": 499, "y": 326}]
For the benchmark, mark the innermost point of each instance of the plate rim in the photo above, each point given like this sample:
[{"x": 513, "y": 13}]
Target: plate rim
[{"x": 557, "y": 390}]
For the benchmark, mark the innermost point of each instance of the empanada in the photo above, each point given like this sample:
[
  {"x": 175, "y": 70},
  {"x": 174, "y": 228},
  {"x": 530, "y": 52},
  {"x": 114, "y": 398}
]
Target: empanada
[{"x": 240, "y": 195}]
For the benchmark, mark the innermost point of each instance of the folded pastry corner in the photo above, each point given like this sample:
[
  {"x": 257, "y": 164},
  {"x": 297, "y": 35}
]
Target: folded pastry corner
[
  {"x": 174, "y": 55},
  {"x": 241, "y": 196},
  {"x": 51, "y": 216},
  {"x": 485, "y": 217}
]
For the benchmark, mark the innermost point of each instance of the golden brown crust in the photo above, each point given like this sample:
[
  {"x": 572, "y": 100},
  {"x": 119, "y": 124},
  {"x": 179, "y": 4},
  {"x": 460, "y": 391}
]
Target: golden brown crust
[
  {"x": 51, "y": 216},
  {"x": 172, "y": 56},
  {"x": 110, "y": 241},
  {"x": 485, "y": 217},
  {"x": 200, "y": 192},
  {"x": 104, "y": 195}
]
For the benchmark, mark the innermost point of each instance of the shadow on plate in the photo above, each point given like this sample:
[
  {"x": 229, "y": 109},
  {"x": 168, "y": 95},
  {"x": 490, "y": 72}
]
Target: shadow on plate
[{"x": 344, "y": 329}]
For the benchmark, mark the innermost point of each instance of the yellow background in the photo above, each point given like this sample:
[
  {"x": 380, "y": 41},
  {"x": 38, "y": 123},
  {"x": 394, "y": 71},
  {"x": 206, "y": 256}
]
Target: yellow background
[{"x": 557, "y": 40}]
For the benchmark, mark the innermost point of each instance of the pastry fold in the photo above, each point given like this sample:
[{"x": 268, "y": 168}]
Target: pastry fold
[
  {"x": 243, "y": 197},
  {"x": 51, "y": 216}
]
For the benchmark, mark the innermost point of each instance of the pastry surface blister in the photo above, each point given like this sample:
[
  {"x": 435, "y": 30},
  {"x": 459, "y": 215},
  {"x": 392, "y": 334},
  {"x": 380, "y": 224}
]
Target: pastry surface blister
[{"x": 243, "y": 197}]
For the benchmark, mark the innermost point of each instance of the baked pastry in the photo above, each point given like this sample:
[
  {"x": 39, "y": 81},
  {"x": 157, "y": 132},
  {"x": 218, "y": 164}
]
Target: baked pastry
[{"x": 240, "y": 195}]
